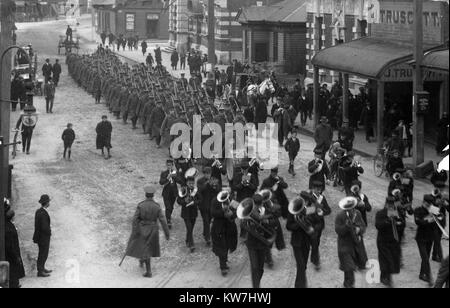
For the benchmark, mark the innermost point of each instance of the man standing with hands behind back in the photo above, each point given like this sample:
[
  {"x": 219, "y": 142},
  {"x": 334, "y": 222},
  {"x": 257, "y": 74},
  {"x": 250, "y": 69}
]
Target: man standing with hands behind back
[{"x": 42, "y": 235}]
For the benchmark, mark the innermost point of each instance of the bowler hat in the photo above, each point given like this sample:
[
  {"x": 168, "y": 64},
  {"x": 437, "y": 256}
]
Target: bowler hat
[
  {"x": 44, "y": 199},
  {"x": 348, "y": 203},
  {"x": 149, "y": 190}
]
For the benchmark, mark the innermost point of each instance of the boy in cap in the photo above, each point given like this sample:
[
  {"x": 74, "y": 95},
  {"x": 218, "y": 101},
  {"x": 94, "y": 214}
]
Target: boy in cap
[
  {"x": 292, "y": 146},
  {"x": 68, "y": 138}
]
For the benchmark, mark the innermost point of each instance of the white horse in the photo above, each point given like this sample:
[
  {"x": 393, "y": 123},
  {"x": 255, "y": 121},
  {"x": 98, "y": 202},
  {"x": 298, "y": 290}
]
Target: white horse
[{"x": 265, "y": 87}]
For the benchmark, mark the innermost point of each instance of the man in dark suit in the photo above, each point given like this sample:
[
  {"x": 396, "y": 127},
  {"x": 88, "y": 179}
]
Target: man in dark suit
[
  {"x": 47, "y": 70},
  {"x": 42, "y": 235}
]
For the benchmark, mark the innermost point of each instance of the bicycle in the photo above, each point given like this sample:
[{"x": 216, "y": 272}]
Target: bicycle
[{"x": 15, "y": 142}]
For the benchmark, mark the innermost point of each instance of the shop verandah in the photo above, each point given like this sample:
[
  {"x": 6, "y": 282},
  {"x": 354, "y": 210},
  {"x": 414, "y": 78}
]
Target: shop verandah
[{"x": 387, "y": 66}]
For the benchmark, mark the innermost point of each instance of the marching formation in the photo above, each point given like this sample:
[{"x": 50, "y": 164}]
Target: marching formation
[{"x": 155, "y": 99}]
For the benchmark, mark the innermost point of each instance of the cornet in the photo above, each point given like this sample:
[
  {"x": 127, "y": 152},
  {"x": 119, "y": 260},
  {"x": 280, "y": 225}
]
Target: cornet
[
  {"x": 170, "y": 176},
  {"x": 216, "y": 163}
]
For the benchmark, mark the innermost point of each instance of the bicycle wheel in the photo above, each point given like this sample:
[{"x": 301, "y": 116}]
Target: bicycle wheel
[{"x": 378, "y": 165}]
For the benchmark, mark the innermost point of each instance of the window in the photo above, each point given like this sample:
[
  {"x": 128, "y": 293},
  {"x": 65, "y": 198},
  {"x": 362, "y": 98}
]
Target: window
[
  {"x": 319, "y": 21},
  {"x": 129, "y": 22},
  {"x": 275, "y": 47}
]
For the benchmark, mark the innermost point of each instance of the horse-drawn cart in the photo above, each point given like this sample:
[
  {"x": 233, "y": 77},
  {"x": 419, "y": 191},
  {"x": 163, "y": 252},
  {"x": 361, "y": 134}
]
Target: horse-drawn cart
[{"x": 68, "y": 45}]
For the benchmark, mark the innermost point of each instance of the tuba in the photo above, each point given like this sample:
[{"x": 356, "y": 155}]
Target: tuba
[
  {"x": 254, "y": 226},
  {"x": 397, "y": 176},
  {"x": 297, "y": 209}
]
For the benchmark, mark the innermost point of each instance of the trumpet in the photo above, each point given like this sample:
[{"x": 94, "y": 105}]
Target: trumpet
[
  {"x": 277, "y": 184},
  {"x": 171, "y": 175},
  {"x": 217, "y": 163}
]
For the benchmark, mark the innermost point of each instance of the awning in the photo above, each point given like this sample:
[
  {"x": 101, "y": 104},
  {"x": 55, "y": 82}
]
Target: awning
[
  {"x": 436, "y": 60},
  {"x": 366, "y": 57}
]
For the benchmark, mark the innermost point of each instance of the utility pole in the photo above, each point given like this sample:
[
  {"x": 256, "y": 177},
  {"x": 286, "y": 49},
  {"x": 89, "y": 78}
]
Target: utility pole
[
  {"x": 5, "y": 86},
  {"x": 418, "y": 119},
  {"x": 211, "y": 34}
]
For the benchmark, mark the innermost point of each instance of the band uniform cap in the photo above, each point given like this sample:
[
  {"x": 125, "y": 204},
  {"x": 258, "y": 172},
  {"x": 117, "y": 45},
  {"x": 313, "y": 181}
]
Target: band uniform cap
[
  {"x": 44, "y": 199},
  {"x": 149, "y": 190},
  {"x": 348, "y": 203},
  {"x": 275, "y": 169}
]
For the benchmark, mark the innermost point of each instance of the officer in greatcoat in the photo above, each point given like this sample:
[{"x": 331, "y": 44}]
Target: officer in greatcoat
[{"x": 144, "y": 239}]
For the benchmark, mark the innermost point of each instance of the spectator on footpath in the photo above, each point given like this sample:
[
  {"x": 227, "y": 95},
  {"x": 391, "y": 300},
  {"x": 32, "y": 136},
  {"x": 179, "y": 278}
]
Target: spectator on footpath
[
  {"x": 47, "y": 69},
  {"x": 12, "y": 248},
  {"x": 42, "y": 235},
  {"x": 443, "y": 132},
  {"x": 144, "y": 47},
  {"x": 56, "y": 72},
  {"x": 68, "y": 138},
  {"x": 49, "y": 93}
]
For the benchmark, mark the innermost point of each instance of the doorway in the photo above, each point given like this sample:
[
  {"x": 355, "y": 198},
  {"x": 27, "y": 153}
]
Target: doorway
[
  {"x": 152, "y": 29},
  {"x": 261, "y": 52}
]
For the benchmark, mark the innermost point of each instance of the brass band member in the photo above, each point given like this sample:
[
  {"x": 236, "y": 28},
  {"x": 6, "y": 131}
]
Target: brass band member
[
  {"x": 350, "y": 229},
  {"x": 318, "y": 169},
  {"x": 189, "y": 199},
  {"x": 144, "y": 240},
  {"x": 425, "y": 217},
  {"x": 244, "y": 183},
  {"x": 363, "y": 205},
  {"x": 217, "y": 170},
  {"x": 396, "y": 181},
  {"x": 318, "y": 212},
  {"x": 351, "y": 171},
  {"x": 184, "y": 163},
  {"x": 168, "y": 180},
  {"x": 301, "y": 230},
  {"x": 208, "y": 188},
  {"x": 442, "y": 204},
  {"x": 257, "y": 247},
  {"x": 389, "y": 224},
  {"x": 224, "y": 230},
  {"x": 277, "y": 185},
  {"x": 273, "y": 211}
]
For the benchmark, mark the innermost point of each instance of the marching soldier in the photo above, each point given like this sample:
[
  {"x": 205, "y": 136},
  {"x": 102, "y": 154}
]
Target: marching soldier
[
  {"x": 132, "y": 105},
  {"x": 156, "y": 119},
  {"x": 144, "y": 240}
]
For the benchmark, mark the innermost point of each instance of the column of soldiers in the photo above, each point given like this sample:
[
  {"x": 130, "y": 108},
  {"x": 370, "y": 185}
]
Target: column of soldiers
[{"x": 154, "y": 98}]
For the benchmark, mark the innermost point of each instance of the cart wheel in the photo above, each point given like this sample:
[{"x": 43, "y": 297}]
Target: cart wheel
[{"x": 378, "y": 165}]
